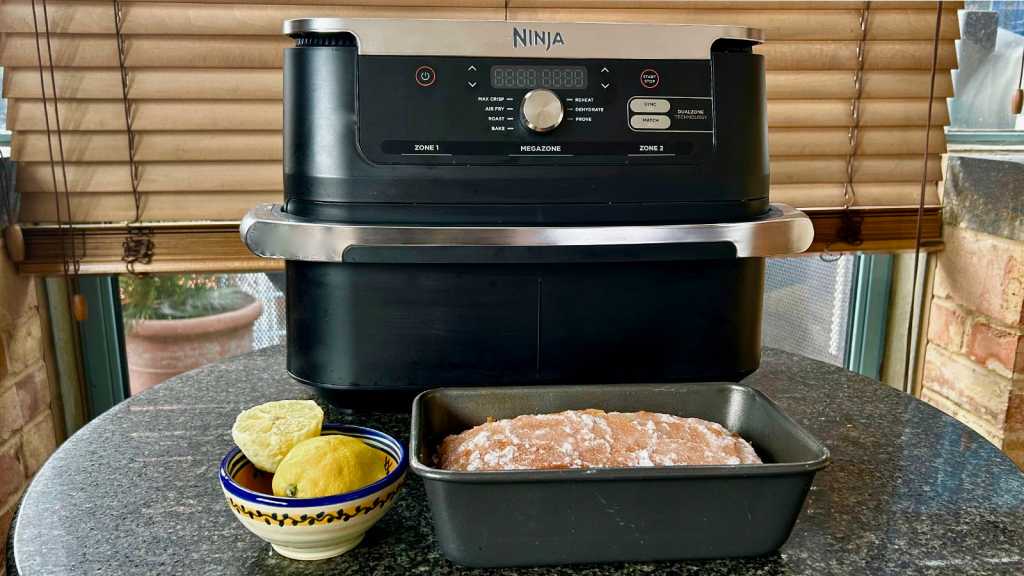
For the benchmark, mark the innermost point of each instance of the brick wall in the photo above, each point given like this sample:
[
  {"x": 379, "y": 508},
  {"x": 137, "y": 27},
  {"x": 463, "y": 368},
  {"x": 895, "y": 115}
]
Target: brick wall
[
  {"x": 27, "y": 432},
  {"x": 974, "y": 360},
  {"x": 974, "y": 363}
]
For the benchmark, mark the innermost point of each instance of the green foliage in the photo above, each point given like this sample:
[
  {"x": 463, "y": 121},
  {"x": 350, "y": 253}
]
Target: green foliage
[{"x": 178, "y": 296}]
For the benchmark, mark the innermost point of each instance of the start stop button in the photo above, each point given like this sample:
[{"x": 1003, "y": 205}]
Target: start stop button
[{"x": 649, "y": 78}]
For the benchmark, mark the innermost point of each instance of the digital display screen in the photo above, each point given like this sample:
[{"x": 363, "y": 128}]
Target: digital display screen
[{"x": 529, "y": 77}]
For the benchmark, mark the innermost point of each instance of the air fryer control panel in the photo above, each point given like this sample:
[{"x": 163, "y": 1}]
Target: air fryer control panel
[
  {"x": 496, "y": 122},
  {"x": 476, "y": 110}
]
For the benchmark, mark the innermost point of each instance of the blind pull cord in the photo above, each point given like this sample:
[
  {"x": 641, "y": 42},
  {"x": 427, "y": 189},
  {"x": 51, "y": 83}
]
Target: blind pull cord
[
  {"x": 907, "y": 383},
  {"x": 69, "y": 249},
  {"x": 1017, "y": 100}
]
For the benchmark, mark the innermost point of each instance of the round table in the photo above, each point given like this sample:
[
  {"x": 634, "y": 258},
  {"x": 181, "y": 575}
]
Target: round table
[{"x": 910, "y": 490}]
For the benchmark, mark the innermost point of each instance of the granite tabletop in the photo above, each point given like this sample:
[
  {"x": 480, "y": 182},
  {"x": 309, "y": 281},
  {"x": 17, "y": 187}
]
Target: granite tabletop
[{"x": 910, "y": 490}]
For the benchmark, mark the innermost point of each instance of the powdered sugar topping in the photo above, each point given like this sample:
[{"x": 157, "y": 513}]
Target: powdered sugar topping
[{"x": 593, "y": 439}]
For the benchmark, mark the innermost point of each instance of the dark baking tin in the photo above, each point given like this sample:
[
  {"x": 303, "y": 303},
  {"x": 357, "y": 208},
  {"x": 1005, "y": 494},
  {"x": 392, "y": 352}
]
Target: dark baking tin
[{"x": 540, "y": 517}]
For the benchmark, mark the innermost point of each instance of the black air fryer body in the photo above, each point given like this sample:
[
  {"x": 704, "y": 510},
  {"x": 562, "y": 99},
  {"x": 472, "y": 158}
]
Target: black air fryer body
[{"x": 473, "y": 203}]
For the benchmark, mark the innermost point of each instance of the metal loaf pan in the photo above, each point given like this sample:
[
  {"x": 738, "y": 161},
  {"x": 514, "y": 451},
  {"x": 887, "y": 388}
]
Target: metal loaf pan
[{"x": 544, "y": 517}]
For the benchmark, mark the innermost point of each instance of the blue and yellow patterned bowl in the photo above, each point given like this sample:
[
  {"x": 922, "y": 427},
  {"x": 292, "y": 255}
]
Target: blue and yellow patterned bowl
[{"x": 313, "y": 528}]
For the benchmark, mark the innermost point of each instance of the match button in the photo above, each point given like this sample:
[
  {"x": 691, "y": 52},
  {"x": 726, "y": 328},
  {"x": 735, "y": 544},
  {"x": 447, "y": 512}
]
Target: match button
[{"x": 650, "y": 122}]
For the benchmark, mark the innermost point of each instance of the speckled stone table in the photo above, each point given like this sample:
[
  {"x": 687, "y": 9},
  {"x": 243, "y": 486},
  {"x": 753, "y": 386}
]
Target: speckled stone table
[{"x": 910, "y": 490}]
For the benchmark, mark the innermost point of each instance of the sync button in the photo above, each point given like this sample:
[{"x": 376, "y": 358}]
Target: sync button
[{"x": 649, "y": 105}]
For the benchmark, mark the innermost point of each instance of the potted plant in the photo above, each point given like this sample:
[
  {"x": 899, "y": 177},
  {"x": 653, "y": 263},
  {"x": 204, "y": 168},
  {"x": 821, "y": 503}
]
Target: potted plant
[{"x": 174, "y": 323}]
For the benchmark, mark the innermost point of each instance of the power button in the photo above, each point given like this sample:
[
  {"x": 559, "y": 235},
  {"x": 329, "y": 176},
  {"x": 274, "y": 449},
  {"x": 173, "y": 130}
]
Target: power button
[{"x": 425, "y": 76}]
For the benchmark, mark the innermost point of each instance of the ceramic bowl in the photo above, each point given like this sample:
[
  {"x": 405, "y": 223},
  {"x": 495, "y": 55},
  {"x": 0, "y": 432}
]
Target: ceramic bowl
[{"x": 313, "y": 528}]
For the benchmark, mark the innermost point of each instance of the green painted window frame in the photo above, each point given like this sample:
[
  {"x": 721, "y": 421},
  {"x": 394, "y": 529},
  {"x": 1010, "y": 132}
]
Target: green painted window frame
[
  {"x": 104, "y": 362},
  {"x": 869, "y": 314}
]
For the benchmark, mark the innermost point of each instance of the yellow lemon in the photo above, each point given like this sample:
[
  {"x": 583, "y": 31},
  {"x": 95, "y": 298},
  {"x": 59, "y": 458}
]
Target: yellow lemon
[
  {"x": 266, "y": 433},
  {"x": 328, "y": 465}
]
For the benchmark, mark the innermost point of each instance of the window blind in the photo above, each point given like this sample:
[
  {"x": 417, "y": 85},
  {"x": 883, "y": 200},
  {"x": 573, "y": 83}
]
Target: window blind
[{"x": 204, "y": 86}]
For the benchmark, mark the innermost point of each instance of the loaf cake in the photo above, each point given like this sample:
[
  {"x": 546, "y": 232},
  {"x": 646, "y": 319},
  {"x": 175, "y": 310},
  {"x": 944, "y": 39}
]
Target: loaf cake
[{"x": 593, "y": 439}]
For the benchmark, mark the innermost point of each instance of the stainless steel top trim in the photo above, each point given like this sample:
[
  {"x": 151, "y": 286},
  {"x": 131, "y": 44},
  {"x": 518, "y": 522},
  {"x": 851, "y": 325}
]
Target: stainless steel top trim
[
  {"x": 386, "y": 37},
  {"x": 269, "y": 232}
]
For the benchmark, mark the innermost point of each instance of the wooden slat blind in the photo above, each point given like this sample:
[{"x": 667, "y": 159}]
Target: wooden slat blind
[{"x": 205, "y": 88}]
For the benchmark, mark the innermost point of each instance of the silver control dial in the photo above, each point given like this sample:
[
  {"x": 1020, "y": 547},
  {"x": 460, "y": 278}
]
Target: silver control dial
[{"x": 542, "y": 110}]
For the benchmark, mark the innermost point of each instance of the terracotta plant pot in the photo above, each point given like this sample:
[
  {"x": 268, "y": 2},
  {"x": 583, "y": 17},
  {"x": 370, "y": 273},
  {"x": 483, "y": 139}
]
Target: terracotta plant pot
[{"x": 159, "y": 349}]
